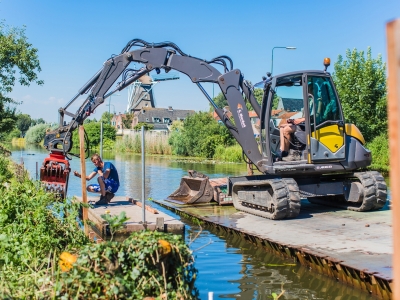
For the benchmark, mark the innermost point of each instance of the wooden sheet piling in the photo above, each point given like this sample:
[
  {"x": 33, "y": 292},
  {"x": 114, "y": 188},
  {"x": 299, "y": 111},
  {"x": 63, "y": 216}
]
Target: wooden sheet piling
[
  {"x": 393, "y": 48},
  {"x": 83, "y": 178}
]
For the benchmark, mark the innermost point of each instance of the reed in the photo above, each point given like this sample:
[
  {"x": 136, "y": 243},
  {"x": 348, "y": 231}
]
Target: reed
[
  {"x": 155, "y": 143},
  {"x": 228, "y": 154}
]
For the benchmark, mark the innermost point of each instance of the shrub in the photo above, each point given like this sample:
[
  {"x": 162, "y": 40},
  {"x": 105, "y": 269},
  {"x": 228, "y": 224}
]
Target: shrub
[
  {"x": 93, "y": 132},
  {"x": 5, "y": 172},
  {"x": 199, "y": 136},
  {"x": 379, "y": 147},
  {"x": 15, "y": 133},
  {"x": 36, "y": 134},
  {"x": 147, "y": 264},
  {"x": 229, "y": 154}
]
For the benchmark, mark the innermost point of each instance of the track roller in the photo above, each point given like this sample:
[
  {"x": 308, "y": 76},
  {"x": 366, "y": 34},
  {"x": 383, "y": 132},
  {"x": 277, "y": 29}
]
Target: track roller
[
  {"x": 273, "y": 199},
  {"x": 365, "y": 191}
]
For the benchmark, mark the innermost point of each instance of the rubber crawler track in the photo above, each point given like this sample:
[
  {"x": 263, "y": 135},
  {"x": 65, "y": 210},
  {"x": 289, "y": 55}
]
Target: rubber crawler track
[
  {"x": 285, "y": 198},
  {"x": 374, "y": 194}
]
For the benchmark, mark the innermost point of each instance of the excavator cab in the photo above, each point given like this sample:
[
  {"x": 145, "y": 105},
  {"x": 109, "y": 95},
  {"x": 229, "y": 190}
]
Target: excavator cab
[{"x": 309, "y": 97}]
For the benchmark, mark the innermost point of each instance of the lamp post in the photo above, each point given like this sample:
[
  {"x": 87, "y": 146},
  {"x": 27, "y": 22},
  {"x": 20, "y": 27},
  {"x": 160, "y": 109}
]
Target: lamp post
[
  {"x": 109, "y": 105},
  {"x": 272, "y": 60}
]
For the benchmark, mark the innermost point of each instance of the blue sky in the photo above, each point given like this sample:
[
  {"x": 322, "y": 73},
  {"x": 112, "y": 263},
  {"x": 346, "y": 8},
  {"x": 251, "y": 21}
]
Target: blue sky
[{"x": 74, "y": 38}]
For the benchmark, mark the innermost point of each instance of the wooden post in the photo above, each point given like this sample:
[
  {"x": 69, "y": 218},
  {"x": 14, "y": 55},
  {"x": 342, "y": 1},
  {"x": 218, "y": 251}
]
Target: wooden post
[
  {"x": 393, "y": 48},
  {"x": 83, "y": 177}
]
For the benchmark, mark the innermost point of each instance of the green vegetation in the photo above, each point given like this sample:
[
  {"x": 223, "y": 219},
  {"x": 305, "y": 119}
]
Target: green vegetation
[
  {"x": 35, "y": 229},
  {"x": 379, "y": 147},
  {"x": 36, "y": 134},
  {"x": 147, "y": 264},
  {"x": 221, "y": 101},
  {"x": 199, "y": 135},
  {"x": 16, "y": 54},
  {"x": 229, "y": 154},
  {"x": 146, "y": 126},
  {"x": 155, "y": 143},
  {"x": 361, "y": 84},
  {"x": 93, "y": 132}
]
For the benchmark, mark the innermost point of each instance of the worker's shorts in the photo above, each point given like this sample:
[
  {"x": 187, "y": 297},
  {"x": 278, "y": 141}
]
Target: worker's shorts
[{"x": 110, "y": 185}]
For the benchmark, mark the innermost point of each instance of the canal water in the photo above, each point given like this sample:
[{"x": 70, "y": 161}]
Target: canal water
[{"x": 228, "y": 266}]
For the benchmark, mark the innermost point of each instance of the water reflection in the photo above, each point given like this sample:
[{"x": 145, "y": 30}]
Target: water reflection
[
  {"x": 233, "y": 268},
  {"x": 228, "y": 265}
]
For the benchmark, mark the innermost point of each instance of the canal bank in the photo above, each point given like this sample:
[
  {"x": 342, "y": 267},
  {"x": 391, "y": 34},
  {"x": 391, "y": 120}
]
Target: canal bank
[
  {"x": 353, "y": 248},
  {"x": 229, "y": 266}
]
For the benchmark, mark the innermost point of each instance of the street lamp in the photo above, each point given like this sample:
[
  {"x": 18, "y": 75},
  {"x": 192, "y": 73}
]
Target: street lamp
[
  {"x": 109, "y": 105},
  {"x": 112, "y": 106},
  {"x": 272, "y": 60}
]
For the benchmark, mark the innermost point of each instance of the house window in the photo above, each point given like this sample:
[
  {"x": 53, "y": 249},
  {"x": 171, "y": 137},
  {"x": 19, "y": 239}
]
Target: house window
[
  {"x": 156, "y": 120},
  {"x": 167, "y": 120},
  {"x": 147, "y": 119}
]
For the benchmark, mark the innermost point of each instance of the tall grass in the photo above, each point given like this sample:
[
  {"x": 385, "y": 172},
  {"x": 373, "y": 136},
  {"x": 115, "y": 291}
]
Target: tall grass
[
  {"x": 379, "y": 147},
  {"x": 155, "y": 143},
  {"x": 228, "y": 154}
]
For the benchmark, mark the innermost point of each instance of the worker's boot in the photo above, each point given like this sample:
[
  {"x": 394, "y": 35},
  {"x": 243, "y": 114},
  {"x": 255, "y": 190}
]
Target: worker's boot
[
  {"x": 102, "y": 201},
  {"x": 109, "y": 196},
  {"x": 280, "y": 154}
]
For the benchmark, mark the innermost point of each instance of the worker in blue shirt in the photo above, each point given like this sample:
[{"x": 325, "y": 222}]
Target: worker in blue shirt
[{"x": 108, "y": 181}]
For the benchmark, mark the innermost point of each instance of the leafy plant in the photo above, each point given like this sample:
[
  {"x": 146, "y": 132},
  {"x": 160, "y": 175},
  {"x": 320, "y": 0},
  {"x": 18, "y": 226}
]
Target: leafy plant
[
  {"x": 229, "y": 154},
  {"x": 147, "y": 264},
  {"x": 36, "y": 134},
  {"x": 379, "y": 147},
  {"x": 199, "y": 136},
  {"x": 93, "y": 132},
  {"x": 361, "y": 83},
  {"x": 146, "y": 126},
  {"x": 115, "y": 222},
  {"x": 17, "y": 56}
]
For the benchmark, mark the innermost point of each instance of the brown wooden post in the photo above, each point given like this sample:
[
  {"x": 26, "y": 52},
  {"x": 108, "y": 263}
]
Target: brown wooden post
[
  {"x": 393, "y": 48},
  {"x": 83, "y": 177}
]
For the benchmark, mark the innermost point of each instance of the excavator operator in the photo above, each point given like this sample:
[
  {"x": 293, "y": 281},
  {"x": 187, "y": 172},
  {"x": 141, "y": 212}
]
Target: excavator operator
[{"x": 286, "y": 130}]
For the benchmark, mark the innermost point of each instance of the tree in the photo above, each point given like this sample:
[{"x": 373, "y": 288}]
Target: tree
[
  {"x": 36, "y": 134},
  {"x": 37, "y": 121},
  {"x": 23, "y": 122},
  {"x": 93, "y": 132},
  {"x": 127, "y": 121},
  {"x": 106, "y": 117},
  {"x": 221, "y": 101},
  {"x": 15, "y": 54},
  {"x": 361, "y": 85},
  {"x": 199, "y": 136},
  {"x": 146, "y": 126}
]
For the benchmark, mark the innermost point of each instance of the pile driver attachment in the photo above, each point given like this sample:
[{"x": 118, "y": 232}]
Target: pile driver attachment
[{"x": 54, "y": 174}]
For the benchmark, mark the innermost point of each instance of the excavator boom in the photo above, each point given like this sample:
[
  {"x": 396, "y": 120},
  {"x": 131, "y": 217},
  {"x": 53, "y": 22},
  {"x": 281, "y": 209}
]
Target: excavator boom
[{"x": 158, "y": 56}]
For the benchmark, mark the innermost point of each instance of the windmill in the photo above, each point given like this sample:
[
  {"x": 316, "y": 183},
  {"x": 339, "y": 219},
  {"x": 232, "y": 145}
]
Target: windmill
[{"x": 141, "y": 92}]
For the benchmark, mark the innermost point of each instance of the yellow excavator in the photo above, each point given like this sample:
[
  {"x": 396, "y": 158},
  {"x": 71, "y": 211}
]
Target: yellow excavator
[{"x": 323, "y": 157}]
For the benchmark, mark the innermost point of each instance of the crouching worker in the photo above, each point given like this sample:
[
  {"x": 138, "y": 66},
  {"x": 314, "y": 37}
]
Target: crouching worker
[{"x": 108, "y": 181}]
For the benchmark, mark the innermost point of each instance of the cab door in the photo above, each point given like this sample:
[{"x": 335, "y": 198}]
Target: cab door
[{"x": 326, "y": 125}]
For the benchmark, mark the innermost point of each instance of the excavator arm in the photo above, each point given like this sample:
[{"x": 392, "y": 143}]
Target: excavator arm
[{"x": 158, "y": 56}]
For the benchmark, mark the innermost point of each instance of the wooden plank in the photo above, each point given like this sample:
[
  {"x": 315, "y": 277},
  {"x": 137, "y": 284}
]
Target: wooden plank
[
  {"x": 133, "y": 212},
  {"x": 83, "y": 178},
  {"x": 136, "y": 202},
  {"x": 393, "y": 48}
]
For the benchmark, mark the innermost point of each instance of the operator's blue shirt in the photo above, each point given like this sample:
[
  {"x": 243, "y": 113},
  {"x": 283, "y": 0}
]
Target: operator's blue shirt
[{"x": 113, "y": 171}]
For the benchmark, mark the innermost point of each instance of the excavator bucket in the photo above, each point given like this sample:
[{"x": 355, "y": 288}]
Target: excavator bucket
[
  {"x": 193, "y": 189},
  {"x": 54, "y": 174}
]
